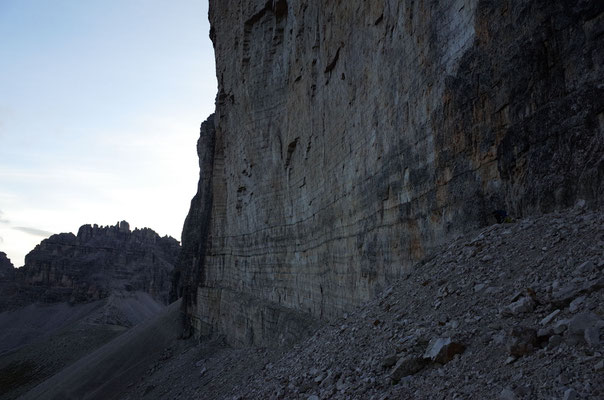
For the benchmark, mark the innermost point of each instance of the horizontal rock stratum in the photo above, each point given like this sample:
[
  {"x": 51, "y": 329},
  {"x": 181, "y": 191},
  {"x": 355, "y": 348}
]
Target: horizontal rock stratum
[{"x": 351, "y": 138}]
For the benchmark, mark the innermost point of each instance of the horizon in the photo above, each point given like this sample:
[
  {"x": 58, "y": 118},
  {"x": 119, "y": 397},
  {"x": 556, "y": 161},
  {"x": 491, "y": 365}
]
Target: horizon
[{"x": 100, "y": 108}]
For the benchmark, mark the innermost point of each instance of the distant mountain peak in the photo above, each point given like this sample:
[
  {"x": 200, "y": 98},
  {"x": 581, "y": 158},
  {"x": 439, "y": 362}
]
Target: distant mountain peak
[{"x": 98, "y": 261}]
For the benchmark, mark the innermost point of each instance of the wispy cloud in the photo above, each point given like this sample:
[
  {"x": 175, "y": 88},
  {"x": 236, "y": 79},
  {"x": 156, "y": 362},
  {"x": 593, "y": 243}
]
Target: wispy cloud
[
  {"x": 33, "y": 231},
  {"x": 54, "y": 174}
]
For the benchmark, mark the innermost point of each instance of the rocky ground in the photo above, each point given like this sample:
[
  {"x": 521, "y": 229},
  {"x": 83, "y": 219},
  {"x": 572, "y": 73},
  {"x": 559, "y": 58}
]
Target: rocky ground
[
  {"x": 40, "y": 340},
  {"x": 513, "y": 311}
]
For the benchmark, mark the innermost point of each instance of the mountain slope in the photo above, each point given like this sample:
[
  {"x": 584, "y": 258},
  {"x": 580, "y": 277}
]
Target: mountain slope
[
  {"x": 107, "y": 372},
  {"x": 521, "y": 302},
  {"x": 524, "y": 302},
  {"x": 39, "y": 340}
]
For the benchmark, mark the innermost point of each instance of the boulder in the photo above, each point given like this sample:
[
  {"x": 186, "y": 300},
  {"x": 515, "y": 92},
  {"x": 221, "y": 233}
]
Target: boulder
[{"x": 442, "y": 350}]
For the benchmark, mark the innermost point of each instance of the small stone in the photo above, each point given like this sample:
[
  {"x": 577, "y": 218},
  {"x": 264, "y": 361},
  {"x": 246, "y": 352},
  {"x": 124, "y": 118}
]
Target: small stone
[
  {"x": 522, "y": 306},
  {"x": 550, "y": 317},
  {"x": 599, "y": 366},
  {"x": 442, "y": 319},
  {"x": 578, "y": 325},
  {"x": 522, "y": 390},
  {"x": 564, "y": 295},
  {"x": 510, "y": 360},
  {"x": 571, "y": 394},
  {"x": 521, "y": 341},
  {"x": 593, "y": 285},
  {"x": 574, "y": 305},
  {"x": 517, "y": 296},
  {"x": 389, "y": 361},
  {"x": 545, "y": 332},
  {"x": 561, "y": 326},
  {"x": 479, "y": 287},
  {"x": 592, "y": 336},
  {"x": 498, "y": 337},
  {"x": 313, "y": 397},
  {"x": 341, "y": 386},
  {"x": 563, "y": 378},
  {"x": 442, "y": 350},
  {"x": 554, "y": 341},
  {"x": 491, "y": 290},
  {"x": 507, "y": 394},
  {"x": 586, "y": 268}
]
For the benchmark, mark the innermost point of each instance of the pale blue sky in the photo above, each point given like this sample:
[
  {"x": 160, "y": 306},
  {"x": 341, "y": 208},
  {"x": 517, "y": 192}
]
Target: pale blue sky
[{"x": 100, "y": 107}]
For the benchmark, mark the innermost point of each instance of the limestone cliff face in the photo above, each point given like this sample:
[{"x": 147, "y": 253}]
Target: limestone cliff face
[
  {"x": 352, "y": 137},
  {"x": 99, "y": 261}
]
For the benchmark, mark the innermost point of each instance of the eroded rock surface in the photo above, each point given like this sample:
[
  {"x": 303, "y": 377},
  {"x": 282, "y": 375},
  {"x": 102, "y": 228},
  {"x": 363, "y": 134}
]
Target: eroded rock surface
[{"x": 353, "y": 137}]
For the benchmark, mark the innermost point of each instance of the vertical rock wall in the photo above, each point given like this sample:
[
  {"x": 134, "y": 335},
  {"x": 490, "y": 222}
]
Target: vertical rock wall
[{"x": 352, "y": 137}]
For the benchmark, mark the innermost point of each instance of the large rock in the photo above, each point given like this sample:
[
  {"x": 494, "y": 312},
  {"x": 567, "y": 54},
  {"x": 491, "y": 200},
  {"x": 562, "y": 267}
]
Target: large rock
[
  {"x": 585, "y": 328},
  {"x": 352, "y": 137},
  {"x": 442, "y": 350}
]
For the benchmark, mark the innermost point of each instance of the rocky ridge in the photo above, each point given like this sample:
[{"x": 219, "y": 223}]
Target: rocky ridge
[
  {"x": 75, "y": 294},
  {"x": 98, "y": 261}
]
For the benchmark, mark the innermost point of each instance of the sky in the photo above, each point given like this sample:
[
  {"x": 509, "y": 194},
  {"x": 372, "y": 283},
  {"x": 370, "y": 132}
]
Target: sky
[{"x": 100, "y": 107}]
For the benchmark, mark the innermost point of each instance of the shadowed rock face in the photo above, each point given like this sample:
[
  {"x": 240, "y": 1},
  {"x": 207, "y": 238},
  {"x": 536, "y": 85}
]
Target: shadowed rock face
[
  {"x": 90, "y": 266},
  {"x": 353, "y": 137},
  {"x": 7, "y": 270}
]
